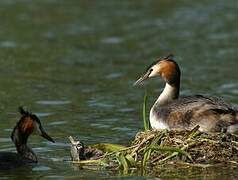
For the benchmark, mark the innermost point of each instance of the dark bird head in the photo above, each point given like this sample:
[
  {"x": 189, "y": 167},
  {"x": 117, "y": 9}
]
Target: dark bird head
[
  {"x": 164, "y": 67},
  {"x": 28, "y": 124}
]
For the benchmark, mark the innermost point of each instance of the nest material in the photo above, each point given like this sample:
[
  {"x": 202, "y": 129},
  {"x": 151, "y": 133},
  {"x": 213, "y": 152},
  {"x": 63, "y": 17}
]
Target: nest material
[
  {"x": 152, "y": 149},
  {"x": 186, "y": 146}
]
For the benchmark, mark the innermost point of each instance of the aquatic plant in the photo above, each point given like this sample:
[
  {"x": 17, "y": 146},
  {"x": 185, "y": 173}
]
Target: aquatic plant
[{"x": 144, "y": 111}]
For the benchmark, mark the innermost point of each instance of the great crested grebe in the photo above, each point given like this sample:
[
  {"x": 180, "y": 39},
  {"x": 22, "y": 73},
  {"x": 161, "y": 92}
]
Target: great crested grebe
[
  {"x": 170, "y": 111},
  {"x": 27, "y": 125}
]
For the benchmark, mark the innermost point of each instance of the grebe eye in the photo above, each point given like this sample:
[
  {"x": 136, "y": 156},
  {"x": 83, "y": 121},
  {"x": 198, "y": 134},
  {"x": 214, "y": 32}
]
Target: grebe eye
[{"x": 151, "y": 70}]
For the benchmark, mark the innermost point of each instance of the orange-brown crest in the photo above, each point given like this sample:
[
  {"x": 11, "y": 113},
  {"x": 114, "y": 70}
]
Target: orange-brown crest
[{"x": 167, "y": 69}]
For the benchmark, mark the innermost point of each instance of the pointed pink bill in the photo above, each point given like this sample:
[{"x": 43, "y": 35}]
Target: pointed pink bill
[{"x": 142, "y": 79}]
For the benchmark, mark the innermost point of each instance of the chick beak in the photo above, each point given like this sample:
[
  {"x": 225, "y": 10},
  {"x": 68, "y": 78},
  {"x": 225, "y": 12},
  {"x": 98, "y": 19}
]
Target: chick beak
[
  {"x": 45, "y": 135},
  {"x": 142, "y": 79}
]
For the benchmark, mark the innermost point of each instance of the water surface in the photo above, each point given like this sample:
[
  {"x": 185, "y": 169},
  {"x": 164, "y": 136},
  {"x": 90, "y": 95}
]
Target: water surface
[{"x": 74, "y": 62}]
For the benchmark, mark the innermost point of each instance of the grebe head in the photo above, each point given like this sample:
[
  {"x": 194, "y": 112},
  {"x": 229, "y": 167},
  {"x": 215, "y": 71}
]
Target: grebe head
[
  {"x": 27, "y": 125},
  {"x": 165, "y": 67}
]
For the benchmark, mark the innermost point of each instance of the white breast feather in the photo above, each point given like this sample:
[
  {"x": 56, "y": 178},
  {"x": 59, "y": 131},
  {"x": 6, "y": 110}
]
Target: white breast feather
[{"x": 157, "y": 123}]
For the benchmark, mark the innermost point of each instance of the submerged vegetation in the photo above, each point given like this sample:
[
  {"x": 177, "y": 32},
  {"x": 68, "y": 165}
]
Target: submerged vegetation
[{"x": 153, "y": 149}]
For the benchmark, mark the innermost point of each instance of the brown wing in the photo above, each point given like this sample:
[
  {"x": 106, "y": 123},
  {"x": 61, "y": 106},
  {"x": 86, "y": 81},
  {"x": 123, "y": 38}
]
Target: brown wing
[{"x": 211, "y": 113}]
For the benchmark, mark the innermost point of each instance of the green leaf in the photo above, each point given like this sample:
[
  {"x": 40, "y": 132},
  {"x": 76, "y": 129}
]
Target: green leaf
[
  {"x": 107, "y": 147},
  {"x": 146, "y": 156},
  {"x": 173, "y": 150},
  {"x": 147, "y": 152},
  {"x": 90, "y": 162},
  {"x": 145, "y": 119},
  {"x": 122, "y": 161},
  {"x": 193, "y": 132},
  {"x": 131, "y": 160}
]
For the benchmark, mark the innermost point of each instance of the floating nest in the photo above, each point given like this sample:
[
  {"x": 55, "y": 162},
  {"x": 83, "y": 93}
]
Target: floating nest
[
  {"x": 152, "y": 149},
  {"x": 187, "y": 146}
]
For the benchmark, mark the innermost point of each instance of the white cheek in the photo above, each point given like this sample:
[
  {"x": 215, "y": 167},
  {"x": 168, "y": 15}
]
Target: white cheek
[{"x": 153, "y": 73}]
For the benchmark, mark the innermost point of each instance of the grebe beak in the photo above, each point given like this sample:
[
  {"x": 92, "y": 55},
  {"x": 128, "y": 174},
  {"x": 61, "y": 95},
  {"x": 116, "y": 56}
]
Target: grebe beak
[
  {"x": 45, "y": 135},
  {"x": 142, "y": 79}
]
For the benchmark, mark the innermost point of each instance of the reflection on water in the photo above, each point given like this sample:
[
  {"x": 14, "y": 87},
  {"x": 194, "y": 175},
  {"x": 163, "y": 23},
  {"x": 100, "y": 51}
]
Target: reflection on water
[
  {"x": 8, "y": 44},
  {"x": 73, "y": 63},
  {"x": 55, "y": 102}
]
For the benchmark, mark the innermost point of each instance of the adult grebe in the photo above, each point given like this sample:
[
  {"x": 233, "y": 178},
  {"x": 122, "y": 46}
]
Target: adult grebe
[
  {"x": 28, "y": 124},
  {"x": 169, "y": 111}
]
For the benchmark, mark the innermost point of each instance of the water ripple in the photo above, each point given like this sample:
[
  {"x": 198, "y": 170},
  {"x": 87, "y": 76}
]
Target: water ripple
[
  {"x": 94, "y": 103},
  {"x": 8, "y": 44},
  {"x": 111, "y": 40},
  {"x": 41, "y": 114},
  {"x": 53, "y": 102},
  {"x": 41, "y": 168},
  {"x": 58, "y": 123},
  {"x": 114, "y": 75},
  {"x": 5, "y": 139}
]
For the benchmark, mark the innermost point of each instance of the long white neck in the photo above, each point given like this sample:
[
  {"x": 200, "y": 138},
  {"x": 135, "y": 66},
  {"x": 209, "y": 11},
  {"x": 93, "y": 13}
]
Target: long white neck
[{"x": 169, "y": 93}]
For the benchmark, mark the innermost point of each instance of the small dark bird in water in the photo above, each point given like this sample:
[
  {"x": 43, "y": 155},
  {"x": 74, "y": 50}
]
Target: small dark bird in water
[
  {"x": 27, "y": 125},
  {"x": 170, "y": 111}
]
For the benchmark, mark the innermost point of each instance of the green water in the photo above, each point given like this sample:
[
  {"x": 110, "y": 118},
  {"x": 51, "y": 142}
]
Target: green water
[{"x": 74, "y": 62}]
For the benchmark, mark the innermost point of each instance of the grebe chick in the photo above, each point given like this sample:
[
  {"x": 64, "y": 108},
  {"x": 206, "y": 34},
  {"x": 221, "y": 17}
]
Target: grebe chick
[
  {"x": 27, "y": 125},
  {"x": 170, "y": 111}
]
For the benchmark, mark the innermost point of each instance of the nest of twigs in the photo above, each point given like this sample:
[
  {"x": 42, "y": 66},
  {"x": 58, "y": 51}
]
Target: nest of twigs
[
  {"x": 194, "y": 147},
  {"x": 152, "y": 149}
]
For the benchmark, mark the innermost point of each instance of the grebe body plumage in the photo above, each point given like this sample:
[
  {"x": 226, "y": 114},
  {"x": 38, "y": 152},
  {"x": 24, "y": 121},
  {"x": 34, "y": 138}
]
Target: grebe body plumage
[
  {"x": 170, "y": 111},
  {"x": 27, "y": 125}
]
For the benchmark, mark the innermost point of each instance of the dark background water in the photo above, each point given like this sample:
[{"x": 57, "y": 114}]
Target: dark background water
[{"x": 74, "y": 62}]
